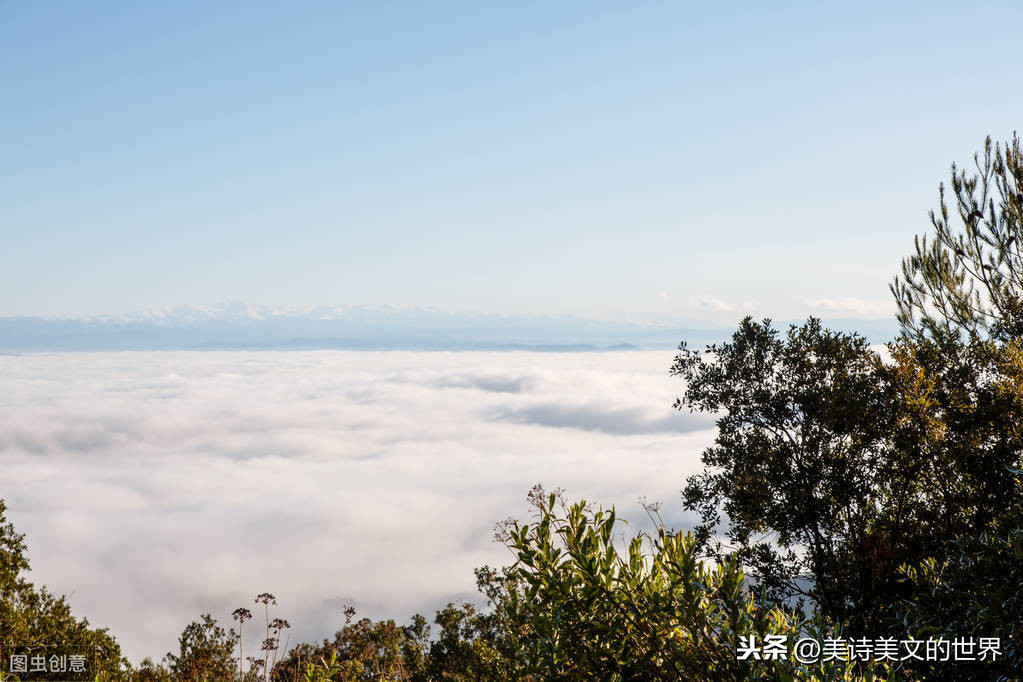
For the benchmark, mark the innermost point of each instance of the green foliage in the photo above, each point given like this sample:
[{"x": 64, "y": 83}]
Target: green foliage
[
  {"x": 148, "y": 671},
  {"x": 796, "y": 465},
  {"x": 961, "y": 300},
  {"x": 975, "y": 591},
  {"x": 833, "y": 468},
  {"x": 470, "y": 646},
  {"x": 360, "y": 650},
  {"x": 205, "y": 652},
  {"x": 958, "y": 434},
  {"x": 645, "y": 607},
  {"x": 34, "y": 616},
  {"x": 322, "y": 670},
  {"x": 969, "y": 281}
]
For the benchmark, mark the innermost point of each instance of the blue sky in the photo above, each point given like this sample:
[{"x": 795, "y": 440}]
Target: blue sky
[{"x": 653, "y": 159}]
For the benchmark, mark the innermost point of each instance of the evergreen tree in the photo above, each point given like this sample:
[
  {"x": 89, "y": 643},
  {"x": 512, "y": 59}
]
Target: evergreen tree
[{"x": 969, "y": 281}]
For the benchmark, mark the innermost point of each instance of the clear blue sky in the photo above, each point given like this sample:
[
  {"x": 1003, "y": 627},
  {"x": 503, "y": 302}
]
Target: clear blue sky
[{"x": 593, "y": 158}]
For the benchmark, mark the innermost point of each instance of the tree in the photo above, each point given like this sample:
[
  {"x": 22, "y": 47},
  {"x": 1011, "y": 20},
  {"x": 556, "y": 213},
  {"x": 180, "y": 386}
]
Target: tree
[
  {"x": 363, "y": 650},
  {"x": 205, "y": 652},
  {"x": 831, "y": 467},
  {"x": 473, "y": 645},
  {"x": 877, "y": 488},
  {"x": 796, "y": 463},
  {"x": 148, "y": 671},
  {"x": 31, "y": 616},
  {"x": 976, "y": 587},
  {"x": 470, "y": 646},
  {"x": 970, "y": 281},
  {"x": 975, "y": 591}
]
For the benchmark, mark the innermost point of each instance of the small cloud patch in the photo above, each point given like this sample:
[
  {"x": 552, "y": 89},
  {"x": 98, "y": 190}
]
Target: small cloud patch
[{"x": 620, "y": 421}]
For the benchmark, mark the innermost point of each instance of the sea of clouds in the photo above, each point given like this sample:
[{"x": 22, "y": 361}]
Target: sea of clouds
[{"x": 155, "y": 486}]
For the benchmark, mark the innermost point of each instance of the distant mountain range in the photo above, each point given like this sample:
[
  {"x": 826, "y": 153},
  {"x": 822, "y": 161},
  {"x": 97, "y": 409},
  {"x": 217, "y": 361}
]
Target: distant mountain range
[{"x": 239, "y": 325}]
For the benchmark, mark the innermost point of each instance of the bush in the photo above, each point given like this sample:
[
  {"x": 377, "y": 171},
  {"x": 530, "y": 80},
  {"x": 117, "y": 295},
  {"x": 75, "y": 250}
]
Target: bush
[{"x": 603, "y": 608}]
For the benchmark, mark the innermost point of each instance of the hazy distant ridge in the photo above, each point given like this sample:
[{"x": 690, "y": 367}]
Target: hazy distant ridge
[{"x": 245, "y": 326}]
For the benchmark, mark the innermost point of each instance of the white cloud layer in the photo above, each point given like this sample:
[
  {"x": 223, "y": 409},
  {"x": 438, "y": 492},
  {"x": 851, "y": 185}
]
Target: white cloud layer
[
  {"x": 155, "y": 486},
  {"x": 852, "y": 307},
  {"x": 714, "y": 304}
]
